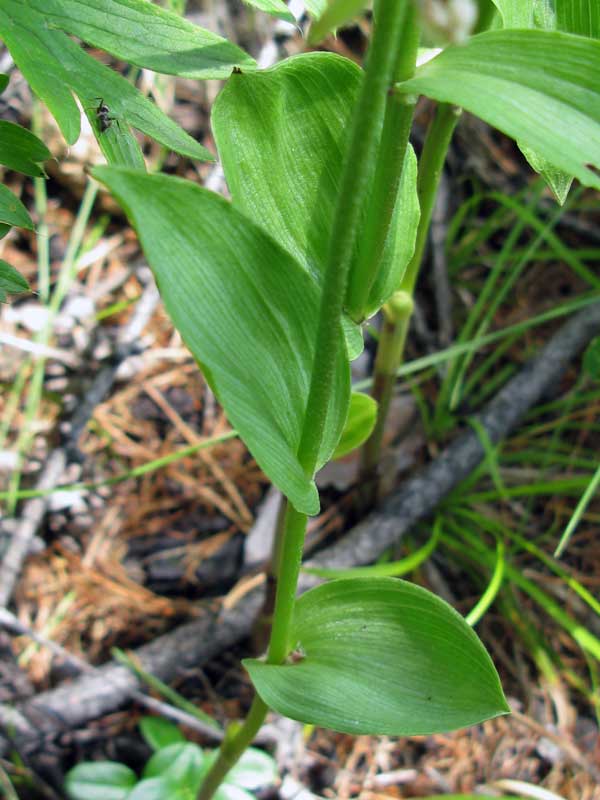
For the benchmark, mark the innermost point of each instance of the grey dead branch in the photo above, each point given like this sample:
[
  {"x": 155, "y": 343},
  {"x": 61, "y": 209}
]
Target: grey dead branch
[{"x": 191, "y": 645}]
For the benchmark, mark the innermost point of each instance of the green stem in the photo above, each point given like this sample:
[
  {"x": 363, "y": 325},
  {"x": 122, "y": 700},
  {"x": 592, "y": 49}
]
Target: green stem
[
  {"x": 431, "y": 165},
  {"x": 397, "y": 124},
  {"x": 395, "y": 326},
  {"x": 396, "y": 319},
  {"x": 365, "y": 134},
  {"x": 354, "y": 189}
]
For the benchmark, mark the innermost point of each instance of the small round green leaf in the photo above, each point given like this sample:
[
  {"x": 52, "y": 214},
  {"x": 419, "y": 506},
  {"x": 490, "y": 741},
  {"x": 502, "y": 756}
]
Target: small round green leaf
[
  {"x": 591, "y": 359},
  {"x": 182, "y": 763},
  {"x": 99, "y": 780},
  {"x": 254, "y": 769},
  {"x": 162, "y": 788},
  {"x": 159, "y": 732},
  {"x": 381, "y": 656},
  {"x": 359, "y": 425}
]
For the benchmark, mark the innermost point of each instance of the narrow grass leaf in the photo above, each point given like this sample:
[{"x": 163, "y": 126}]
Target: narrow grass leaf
[
  {"x": 4, "y": 79},
  {"x": 21, "y": 150},
  {"x": 381, "y": 656},
  {"x": 540, "y": 87},
  {"x": 247, "y": 311},
  {"x": 388, "y": 569},
  {"x": 146, "y": 35},
  {"x": 591, "y": 359}
]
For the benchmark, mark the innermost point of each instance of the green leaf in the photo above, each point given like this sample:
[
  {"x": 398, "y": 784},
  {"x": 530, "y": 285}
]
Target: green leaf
[
  {"x": 579, "y": 16},
  {"x": 146, "y": 35},
  {"x": 12, "y": 210},
  {"x": 558, "y": 181},
  {"x": 182, "y": 764},
  {"x": 247, "y": 311},
  {"x": 281, "y": 135},
  {"x": 55, "y": 66},
  {"x": 159, "y": 732},
  {"x": 362, "y": 416},
  {"x": 353, "y": 334},
  {"x": 591, "y": 359},
  {"x": 11, "y": 281},
  {"x": 28, "y": 41},
  {"x": 337, "y": 13},
  {"x": 540, "y": 87},
  {"x": 315, "y": 8},
  {"x": 277, "y": 8},
  {"x": 516, "y": 13},
  {"x": 400, "y": 244},
  {"x": 162, "y": 788},
  {"x": 4, "y": 79},
  {"x": 381, "y": 656},
  {"x": 21, "y": 150},
  {"x": 254, "y": 769},
  {"x": 99, "y": 780}
]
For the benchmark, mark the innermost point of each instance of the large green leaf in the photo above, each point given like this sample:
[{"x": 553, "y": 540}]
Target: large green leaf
[
  {"x": 161, "y": 788},
  {"x": 281, "y": 135},
  {"x": 247, "y": 311},
  {"x": 99, "y": 780},
  {"x": 21, "y": 150},
  {"x": 579, "y": 16},
  {"x": 12, "y": 210},
  {"x": 536, "y": 14},
  {"x": 381, "y": 656},
  {"x": 55, "y": 67},
  {"x": 540, "y": 87},
  {"x": 145, "y": 34}
]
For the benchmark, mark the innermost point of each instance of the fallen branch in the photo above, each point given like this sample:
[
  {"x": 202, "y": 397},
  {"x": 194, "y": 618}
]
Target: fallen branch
[{"x": 193, "y": 644}]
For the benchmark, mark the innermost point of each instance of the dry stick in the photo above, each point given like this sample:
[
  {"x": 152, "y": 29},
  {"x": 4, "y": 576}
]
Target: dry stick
[
  {"x": 34, "y": 510},
  {"x": 193, "y": 644}
]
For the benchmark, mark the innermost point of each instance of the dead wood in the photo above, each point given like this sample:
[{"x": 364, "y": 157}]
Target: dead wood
[{"x": 193, "y": 644}]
